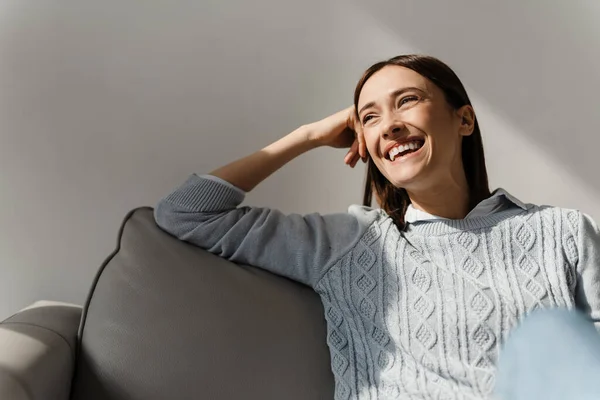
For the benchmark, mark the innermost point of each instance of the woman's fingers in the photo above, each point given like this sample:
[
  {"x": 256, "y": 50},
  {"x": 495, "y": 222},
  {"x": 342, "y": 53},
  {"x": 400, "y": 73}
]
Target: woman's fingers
[
  {"x": 351, "y": 153},
  {"x": 348, "y": 157},
  {"x": 355, "y": 160},
  {"x": 360, "y": 137},
  {"x": 362, "y": 147}
]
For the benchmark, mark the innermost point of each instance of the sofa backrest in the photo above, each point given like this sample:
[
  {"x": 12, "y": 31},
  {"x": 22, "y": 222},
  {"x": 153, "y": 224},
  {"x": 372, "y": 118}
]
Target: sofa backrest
[{"x": 167, "y": 320}]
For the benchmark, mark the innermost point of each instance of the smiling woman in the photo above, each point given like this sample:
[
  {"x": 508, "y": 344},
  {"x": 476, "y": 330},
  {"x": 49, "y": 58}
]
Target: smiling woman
[
  {"x": 420, "y": 294},
  {"x": 398, "y": 101}
]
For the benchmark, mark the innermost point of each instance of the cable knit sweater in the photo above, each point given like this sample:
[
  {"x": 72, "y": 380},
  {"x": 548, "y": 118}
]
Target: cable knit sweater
[{"x": 413, "y": 314}]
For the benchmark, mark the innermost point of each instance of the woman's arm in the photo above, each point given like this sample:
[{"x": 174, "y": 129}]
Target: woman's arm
[
  {"x": 249, "y": 171},
  {"x": 587, "y": 294},
  {"x": 338, "y": 130},
  {"x": 205, "y": 211}
]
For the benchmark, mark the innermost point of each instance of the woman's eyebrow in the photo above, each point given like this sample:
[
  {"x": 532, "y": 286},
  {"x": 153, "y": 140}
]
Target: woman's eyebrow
[{"x": 395, "y": 93}]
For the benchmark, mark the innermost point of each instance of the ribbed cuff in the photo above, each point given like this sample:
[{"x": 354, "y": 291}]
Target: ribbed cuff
[
  {"x": 222, "y": 182},
  {"x": 202, "y": 194}
]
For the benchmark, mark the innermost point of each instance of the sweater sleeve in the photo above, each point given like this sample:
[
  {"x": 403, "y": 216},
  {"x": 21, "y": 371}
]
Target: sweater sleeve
[
  {"x": 587, "y": 294},
  {"x": 205, "y": 211}
]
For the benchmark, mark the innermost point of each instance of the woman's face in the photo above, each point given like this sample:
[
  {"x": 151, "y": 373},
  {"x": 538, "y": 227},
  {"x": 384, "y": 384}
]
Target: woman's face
[{"x": 412, "y": 134}]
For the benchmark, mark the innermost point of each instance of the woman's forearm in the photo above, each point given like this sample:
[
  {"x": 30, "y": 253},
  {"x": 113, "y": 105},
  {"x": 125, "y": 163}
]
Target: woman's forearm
[{"x": 246, "y": 173}]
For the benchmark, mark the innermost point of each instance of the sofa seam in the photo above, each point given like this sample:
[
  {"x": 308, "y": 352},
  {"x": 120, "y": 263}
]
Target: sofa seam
[
  {"x": 71, "y": 349},
  {"x": 108, "y": 259}
]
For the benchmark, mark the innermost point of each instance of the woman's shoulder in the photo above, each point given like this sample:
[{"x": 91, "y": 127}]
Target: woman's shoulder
[
  {"x": 535, "y": 209},
  {"x": 548, "y": 209},
  {"x": 568, "y": 218}
]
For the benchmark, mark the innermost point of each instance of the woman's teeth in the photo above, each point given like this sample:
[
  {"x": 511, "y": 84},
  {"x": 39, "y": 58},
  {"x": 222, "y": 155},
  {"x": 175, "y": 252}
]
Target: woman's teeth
[{"x": 410, "y": 147}]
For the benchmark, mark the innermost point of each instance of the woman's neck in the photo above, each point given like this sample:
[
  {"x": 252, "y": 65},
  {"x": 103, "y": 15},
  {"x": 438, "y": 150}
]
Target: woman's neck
[{"x": 447, "y": 201}]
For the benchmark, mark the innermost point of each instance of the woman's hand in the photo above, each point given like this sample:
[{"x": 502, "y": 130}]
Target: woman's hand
[{"x": 340, "y": 130}]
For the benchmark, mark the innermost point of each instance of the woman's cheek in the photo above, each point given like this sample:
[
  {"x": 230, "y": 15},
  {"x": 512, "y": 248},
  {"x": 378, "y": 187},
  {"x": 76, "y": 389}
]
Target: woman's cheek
[{"x": 371, "y": 143}]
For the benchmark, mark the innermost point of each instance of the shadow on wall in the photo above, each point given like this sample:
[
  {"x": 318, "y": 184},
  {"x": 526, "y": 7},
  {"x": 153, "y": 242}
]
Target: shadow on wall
[{"x": 543, "y": 74}]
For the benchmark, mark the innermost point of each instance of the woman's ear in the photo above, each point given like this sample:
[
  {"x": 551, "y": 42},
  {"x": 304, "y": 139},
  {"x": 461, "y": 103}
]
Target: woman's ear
[{"x": 467, "y": 120}]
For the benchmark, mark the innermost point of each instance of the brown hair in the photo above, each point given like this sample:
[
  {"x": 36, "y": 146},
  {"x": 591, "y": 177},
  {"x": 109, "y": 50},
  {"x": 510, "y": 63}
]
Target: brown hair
[{"x": 394, "y": 201}]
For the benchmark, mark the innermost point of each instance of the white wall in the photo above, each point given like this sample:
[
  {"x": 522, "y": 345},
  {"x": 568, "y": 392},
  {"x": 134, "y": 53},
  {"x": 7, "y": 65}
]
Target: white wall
[{"x": 107, "y": 105}]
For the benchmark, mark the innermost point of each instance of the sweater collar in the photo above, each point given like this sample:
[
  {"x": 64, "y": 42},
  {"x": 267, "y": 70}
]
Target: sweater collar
[{"x": 500, "y": 200}]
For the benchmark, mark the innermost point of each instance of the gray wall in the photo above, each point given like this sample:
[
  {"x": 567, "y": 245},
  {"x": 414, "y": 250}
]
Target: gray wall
[{"x": 107, "y": 105}]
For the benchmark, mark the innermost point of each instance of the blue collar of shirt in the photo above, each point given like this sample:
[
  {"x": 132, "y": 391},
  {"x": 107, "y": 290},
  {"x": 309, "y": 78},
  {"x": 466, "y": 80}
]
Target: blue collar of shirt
[{"x": 499, "y": 200}]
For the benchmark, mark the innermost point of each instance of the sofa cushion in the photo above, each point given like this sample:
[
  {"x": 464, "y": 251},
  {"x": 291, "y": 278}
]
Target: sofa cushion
[{"x": 168, "y": 320}]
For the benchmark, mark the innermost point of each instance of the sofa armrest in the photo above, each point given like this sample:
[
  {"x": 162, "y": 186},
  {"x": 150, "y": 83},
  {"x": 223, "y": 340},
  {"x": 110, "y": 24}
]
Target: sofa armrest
[{"x": 37, "y": 352}]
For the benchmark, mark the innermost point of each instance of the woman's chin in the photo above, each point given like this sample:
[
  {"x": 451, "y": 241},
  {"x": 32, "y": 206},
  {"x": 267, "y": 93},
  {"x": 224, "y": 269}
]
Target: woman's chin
[{"x": 403, "y": 176}]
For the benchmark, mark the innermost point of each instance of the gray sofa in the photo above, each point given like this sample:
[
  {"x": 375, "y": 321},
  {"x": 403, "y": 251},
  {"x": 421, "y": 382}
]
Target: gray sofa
[{"x": 167, "y": 320}]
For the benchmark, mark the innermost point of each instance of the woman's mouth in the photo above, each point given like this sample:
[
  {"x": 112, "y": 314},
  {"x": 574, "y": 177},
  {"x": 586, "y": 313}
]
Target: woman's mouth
[{"x": 405, "y": 150}]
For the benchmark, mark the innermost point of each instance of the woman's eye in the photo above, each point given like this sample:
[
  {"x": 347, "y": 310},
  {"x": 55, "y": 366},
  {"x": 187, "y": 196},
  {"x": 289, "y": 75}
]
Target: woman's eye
[
  {"x": 367, "y": 118},
  {"x": 408, "y": 99}
]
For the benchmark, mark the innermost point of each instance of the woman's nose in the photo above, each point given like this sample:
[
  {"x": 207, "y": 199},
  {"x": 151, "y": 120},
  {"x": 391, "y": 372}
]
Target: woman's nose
[{"x": 392, "y": 130}]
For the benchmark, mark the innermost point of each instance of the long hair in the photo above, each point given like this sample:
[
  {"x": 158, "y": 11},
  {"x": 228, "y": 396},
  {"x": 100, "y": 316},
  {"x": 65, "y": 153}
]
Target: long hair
[{"x": 394, "y": 201}]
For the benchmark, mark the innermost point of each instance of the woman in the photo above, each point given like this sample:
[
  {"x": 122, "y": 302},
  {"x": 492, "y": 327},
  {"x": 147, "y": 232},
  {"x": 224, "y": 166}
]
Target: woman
[{"x": 420, "y": 294}]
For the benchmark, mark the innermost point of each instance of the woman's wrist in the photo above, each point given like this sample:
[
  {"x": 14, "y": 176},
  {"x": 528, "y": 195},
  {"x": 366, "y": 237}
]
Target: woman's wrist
[{"x": 308, "y": 135}]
